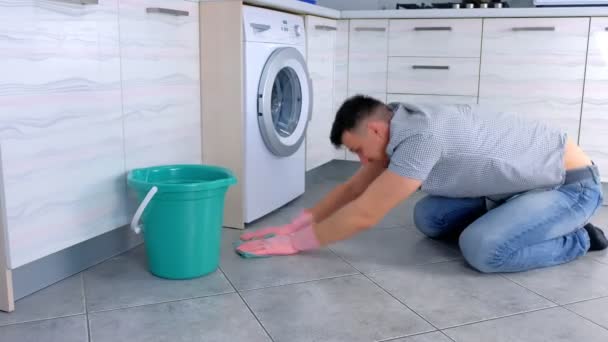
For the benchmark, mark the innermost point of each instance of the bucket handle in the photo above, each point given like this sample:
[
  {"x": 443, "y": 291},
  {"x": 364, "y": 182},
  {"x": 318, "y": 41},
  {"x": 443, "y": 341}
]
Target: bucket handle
[{"x": 135, "y": 225}]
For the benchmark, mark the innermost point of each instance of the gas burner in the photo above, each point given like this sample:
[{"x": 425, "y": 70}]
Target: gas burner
[{"x": 450, "y": 5}]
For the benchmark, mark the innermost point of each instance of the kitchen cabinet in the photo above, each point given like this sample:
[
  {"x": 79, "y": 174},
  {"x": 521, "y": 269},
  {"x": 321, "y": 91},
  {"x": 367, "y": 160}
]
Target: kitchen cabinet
[
  {"x": 367, "y": 57},
  {"x": 594, "y": 119},
  {"x": 61, "y": 129},
  {"x": 161, "y": 82},
  {"x": 321, "y": 38},
  {"x": 114, "y": 85},
  {"x": 340, "y": 72},
  {"x": 535, "y": 67}
]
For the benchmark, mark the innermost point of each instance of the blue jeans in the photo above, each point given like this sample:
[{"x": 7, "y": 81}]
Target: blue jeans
[{"x": 530, "y": 230}]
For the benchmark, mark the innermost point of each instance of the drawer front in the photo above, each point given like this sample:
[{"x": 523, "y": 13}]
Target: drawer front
[
  {"x": 535, "y": 37},
  {"x": 431, "y": 99},
  {"x": 435, "y": 37},
  {"x": 367, "y": 56},
  {"x": 439, "y": 76},
  {"x": 594, "y": 120}
]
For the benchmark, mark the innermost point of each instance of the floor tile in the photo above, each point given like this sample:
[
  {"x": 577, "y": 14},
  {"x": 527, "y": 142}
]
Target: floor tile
[
  {"x": 125, "y": 281},
  {"x": 403, "y": 214},
  {"x": 594, "y": 310},
  {"x": 428, "y": 337},
  {"x": 385, "y": 249},
  {"x": 450, "y": 294},
  {"x": 555, "y": 325},
  {"x": 67, "y": 329},
  {"x": 248, "y": 274},
  {"x": 576, "y": 281},
  {"x": 342, "y": 309},
  {"x": 217, "y": 318},
  {"x": 64, "y": 298},
  {"x": 334, "y": 171}
]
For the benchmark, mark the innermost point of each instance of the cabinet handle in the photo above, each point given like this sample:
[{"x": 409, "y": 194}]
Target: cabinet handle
[
  {"x": 326, "y": 28},
  {"x": 433, "y": 28},
  {"x": 80, "y": 2},
  {"x": 370, "y": 29},
  {"x": 260, "y": 27},
  {"x": 431, "y": 67},
  {"x": 169, "y": 11},
  {"x": 534, "y": 28}
]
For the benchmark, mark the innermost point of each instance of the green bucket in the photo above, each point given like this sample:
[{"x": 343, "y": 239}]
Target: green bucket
[{"x": 181, "y": 210}]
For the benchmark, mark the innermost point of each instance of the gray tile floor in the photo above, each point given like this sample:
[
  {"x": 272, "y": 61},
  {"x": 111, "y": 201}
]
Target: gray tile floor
[{"x": 388, "y": 284}]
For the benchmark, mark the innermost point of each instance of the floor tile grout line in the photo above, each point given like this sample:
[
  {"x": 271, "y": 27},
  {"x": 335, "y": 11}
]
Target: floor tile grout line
[
  {"x": 585, "y": 318},
  {"x": 248, "y": 307},
  {"x": 390, "y": 294},
  {"x": 299, "y": 282},
  {"x": 448, "y": 336},
  {"x": 526, "y": 288},
  {"x": 415, "y": 335},
  {"x": 42, "y": 319},
  {"x": 498, "y": 318},
  {"x": 584, "y": 300},
  {"x": 161, "y": 302},
  {"x": 86, "y": 309}
]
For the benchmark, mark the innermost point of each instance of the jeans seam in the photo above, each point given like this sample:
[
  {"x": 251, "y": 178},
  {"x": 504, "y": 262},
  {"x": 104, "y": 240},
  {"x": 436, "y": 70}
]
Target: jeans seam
[{"x": 500, "y": 250}]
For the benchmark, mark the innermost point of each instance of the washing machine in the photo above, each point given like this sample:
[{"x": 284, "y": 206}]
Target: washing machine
[{"x": 278, "y": 107}]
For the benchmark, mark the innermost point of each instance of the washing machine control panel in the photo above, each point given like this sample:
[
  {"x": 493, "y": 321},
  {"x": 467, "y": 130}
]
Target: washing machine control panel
[{"x": 261, "y": 24}]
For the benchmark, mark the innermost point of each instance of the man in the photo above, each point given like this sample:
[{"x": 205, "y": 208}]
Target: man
[{"x": 541, "y": 187}]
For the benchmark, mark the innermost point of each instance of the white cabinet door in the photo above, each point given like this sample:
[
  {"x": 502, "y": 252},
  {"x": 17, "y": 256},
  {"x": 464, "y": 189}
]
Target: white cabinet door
[
  {"x": 61, "y": 128},
  {"x": 435, "y": 37},
  {"x": 535, "y": 67},
  {"x": 161, "y": 89},
  {"x": 321, "y": 40},
  {"x": 594, "y": 124},
  {"x": 341, "y": 72},
  {"x": 367, "y": 57}
]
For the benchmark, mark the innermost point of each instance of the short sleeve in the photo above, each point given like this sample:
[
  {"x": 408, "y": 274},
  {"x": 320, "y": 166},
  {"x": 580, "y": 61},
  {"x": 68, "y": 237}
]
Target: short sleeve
[{"x": 415, "y": 156}]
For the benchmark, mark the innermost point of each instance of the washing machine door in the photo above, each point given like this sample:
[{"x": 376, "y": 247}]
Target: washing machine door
[{"x": 284, "y": 101}]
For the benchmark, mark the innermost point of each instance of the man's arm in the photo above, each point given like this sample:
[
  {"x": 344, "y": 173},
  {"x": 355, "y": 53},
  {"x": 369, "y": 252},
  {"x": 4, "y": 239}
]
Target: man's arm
[
  {"x": 382, "y": 195},
  {"x": 346, "y": 192}
]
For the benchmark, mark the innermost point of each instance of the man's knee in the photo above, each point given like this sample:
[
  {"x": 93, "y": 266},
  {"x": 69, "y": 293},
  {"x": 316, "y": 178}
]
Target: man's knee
[
  {"x": 482, "y": 251},
  {"x": 426, "y": 218}
]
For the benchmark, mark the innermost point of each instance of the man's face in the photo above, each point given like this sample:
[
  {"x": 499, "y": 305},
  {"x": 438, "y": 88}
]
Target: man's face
[{"x": 368, "y": 140}]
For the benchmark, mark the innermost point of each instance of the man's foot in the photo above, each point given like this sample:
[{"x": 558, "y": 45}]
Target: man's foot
[{"x": 597, "y": 239}]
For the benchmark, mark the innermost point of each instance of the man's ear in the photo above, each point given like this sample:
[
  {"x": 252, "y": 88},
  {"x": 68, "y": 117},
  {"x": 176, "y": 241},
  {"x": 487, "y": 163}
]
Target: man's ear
[{"x": 376, "y": 127}]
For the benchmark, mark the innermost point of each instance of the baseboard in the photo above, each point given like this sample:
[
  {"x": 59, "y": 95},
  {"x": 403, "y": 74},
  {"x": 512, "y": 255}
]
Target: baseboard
[{"x": 41, "y": 273}]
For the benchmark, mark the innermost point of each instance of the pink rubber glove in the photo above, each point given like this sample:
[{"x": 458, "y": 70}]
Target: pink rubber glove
[
  {"x": 301, "y": 221},
  {"x": 302, "y": 240}
]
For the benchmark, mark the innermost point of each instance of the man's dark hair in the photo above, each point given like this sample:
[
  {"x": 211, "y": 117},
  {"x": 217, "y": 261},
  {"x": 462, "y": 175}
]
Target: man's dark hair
[{"x": 351, "y": 113}]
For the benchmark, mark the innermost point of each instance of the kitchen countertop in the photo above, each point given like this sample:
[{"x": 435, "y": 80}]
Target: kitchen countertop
[
  {"x": 479, "y": 13},
  {"x": 296, "y": 6},
  {"x": 301, "y": 7}
]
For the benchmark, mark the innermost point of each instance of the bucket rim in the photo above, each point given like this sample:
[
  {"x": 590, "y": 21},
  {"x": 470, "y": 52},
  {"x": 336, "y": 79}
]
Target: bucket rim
[{"x": 224, "y": 182}]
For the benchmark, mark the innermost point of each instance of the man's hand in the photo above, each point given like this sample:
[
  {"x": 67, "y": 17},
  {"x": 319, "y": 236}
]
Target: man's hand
[
  {"x": 302, "y": 240},
  {"x": 303, "y": 220}
]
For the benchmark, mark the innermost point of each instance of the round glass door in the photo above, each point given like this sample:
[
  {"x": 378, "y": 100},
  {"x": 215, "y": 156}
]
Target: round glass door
[{"x": 284, "y": 101}]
